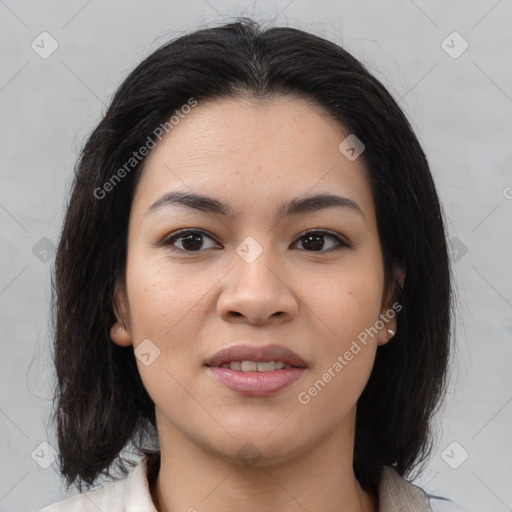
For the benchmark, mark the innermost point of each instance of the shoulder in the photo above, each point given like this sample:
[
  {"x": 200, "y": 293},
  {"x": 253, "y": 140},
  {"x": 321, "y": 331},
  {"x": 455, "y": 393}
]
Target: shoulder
[
  {"x": 109, "y": 497},
  {"x": 131, "y": 493},
  {"x": 396, "y": 492}
]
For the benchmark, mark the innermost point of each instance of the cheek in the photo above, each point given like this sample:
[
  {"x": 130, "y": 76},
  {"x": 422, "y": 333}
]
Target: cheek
[
  {"x": 160, "y": 296},
  {"x": 345, "y": 307},
  {"x": 166, "y": 309},
  {"x": 333, "y": 391},
  {"x": 344, "y": 300},
  {"x": 345, "y": 351}
]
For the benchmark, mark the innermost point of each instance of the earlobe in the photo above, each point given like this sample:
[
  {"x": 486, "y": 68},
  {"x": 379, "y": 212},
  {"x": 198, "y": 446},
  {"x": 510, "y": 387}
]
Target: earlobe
[
  {"x": 119, "y": 335},
  {"x": 388, "y": 314},
  {"x": 385, "y": 335},
  {"x": 120, "y": 331}
]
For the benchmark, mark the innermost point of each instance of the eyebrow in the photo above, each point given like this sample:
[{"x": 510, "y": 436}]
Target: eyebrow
[{"x": 296, "y": 206}]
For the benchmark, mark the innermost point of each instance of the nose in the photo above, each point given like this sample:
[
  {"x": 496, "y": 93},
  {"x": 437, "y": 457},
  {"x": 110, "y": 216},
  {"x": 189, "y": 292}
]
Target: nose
[{"x": 257, "y": 293}]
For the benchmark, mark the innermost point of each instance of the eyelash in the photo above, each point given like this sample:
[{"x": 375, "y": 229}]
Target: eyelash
[{"x": 168, "y": 241}]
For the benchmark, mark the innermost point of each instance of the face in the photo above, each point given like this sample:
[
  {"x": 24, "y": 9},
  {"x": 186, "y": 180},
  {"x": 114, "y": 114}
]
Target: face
[{"x": 252, "y": 275}]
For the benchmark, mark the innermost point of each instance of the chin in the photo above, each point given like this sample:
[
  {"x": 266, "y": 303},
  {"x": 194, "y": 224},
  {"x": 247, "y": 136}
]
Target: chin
[{"x": 259, "y": 448}]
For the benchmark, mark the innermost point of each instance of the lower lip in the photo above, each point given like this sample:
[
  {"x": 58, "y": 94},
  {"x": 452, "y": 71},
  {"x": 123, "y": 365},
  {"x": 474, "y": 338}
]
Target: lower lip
[{"x": 257, "y": 383}]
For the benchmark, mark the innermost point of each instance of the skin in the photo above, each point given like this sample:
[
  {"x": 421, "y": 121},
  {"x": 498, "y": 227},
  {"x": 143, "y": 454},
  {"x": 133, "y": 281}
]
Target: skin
[{"x": 253, "y": 156}]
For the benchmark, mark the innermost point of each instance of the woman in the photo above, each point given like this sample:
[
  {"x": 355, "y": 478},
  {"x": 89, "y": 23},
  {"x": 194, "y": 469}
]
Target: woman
[{"x": 252, "y": 286}]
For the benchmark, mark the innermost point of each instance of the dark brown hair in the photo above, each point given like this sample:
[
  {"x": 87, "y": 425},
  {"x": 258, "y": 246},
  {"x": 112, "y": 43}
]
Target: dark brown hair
[{"x": 100, "y": 404}]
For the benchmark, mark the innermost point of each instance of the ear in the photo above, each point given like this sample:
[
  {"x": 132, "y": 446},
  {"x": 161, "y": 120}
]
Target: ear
[
  {"x": 391, "y": 306},
  {"x": 120, "y": 332}
]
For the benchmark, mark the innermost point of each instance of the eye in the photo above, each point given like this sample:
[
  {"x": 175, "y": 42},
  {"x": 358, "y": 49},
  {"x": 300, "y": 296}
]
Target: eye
[
  {"x": 313, "y": 238},
  {"x": 190, "y": 239}
]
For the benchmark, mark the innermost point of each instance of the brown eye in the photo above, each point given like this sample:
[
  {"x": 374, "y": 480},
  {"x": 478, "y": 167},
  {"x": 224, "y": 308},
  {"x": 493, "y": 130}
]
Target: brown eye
[
  {"x": 191, "y": 240},
  {"x": 314, "y": 241}
]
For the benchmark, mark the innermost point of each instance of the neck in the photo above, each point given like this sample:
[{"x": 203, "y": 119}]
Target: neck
[{"x": 192, "y": 479}]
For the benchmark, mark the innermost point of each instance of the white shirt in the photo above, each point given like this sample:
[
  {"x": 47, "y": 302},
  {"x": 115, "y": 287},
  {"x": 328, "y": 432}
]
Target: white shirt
[{"x": 132, "y": 494}]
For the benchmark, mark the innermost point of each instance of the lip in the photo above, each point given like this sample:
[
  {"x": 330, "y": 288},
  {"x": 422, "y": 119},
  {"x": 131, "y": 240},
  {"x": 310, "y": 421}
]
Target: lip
[
  {"x": 256, "y": 384},
  {"x": 244, "y": 352}
]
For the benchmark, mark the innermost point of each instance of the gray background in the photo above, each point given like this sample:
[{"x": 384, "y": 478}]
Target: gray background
[{"x": 460, "y": 108}]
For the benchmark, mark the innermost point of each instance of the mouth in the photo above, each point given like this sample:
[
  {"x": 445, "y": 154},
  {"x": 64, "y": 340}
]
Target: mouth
[
  {"x": 256, "y": 366},
  {"x": 256, "y": 371},
  {"x": 256, "y": 358}
]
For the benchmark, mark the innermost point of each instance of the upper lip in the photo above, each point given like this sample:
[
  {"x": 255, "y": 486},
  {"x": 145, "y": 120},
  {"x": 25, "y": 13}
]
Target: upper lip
[{"x": 244, "y": 352}]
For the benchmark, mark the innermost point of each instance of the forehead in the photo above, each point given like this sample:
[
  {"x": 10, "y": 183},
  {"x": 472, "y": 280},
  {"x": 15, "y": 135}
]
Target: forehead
[{"x": 246, "y": 152}]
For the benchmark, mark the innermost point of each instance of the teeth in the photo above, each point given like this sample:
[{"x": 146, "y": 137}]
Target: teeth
[
  {"x": 253, "y": 366},
  {"x": 249, "y": 366},
  {"x": 266, "y": 366}
]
